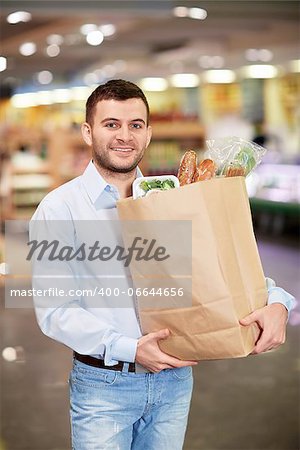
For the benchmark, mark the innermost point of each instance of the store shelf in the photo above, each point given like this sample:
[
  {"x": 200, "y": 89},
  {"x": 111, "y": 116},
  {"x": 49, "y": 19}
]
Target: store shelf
[
  {"x": 274, "y": 207},
  {"x": 68, "y": 155},
  {"x": 177, "y": 130},
  {"x": 278, "y": 183},
  {"x": 25, "y": 182},
  {"x": 28, "y": 182},
  {"x": 274, "y": 191}
]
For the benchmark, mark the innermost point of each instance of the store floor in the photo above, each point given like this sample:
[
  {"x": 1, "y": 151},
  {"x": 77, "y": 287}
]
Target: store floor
[{"x": 245, "y": 404}]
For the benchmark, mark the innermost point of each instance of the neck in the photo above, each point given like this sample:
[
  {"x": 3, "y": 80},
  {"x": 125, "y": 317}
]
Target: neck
[{"x": 122, "y": 181}]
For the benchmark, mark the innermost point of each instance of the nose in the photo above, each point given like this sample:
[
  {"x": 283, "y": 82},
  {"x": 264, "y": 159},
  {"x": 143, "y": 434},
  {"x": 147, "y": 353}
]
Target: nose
[{"x": 124, "y": 133}]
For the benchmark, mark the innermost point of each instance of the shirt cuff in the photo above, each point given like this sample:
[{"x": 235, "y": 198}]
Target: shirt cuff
[
  {"x": 279, "y": 295},
  {"x": 123, "y": 349}
]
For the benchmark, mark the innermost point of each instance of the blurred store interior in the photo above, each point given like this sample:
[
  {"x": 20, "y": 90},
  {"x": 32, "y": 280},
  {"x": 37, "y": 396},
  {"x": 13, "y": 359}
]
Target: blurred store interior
[{"x": 209, "y": 69}]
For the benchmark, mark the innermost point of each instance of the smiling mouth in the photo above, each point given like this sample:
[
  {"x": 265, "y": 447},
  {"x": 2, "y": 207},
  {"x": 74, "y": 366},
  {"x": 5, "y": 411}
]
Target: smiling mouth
[{"x": 122, "y": 149}]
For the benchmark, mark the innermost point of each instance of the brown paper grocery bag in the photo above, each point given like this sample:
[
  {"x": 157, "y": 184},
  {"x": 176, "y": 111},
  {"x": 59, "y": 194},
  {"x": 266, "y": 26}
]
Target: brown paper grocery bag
[{"x": 227, "y": 277}]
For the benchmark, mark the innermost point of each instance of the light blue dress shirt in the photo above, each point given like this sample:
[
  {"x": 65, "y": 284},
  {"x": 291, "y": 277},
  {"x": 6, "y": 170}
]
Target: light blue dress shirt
[{"x": 108, "y": 333}]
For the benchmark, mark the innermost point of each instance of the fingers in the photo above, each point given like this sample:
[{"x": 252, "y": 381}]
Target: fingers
[
  {"x": 268, "y": 342},
  {"x": 251, "y": 318},
  {"x": 167, "y": 360},
  {"x": 161, "y": 334},
  {"x": 153, "y": 358},
  {"x": 154, "y": 337},
  {"x": 161, "y": 366},
  {"x": 262, "y": 349},
  {"x": 272, "y": 323},
  {"x": 175, "y": 362}
]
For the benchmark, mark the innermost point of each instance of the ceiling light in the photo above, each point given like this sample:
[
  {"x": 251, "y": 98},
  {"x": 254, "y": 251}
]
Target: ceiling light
[
  {"x": 109, "y": 70},
  {"x": 251, "y": 54},
  {"x": 205, "y": 61},
  {"x": 27, "y": 49},
  {"x": 90, "y": 78},
  {"x": 185, "y": 80},
  {"x": 44, "y": 97},
  {"x": 256, "y": 54},
  {"x": 54, "y": 39},
  {"x": 61, "y": 95},
  {"x": 219, "y": 76},
  {"x": 3, "y": 63},
  {"x": 24, "y": 100},
  {"x": 80, "y": 93},
  {"x": 260, "y": 71},
  {"x": 44, "y": 77},
  {"x": 100, "y": 74},
  {"x": 197, "y": 13},
  {"x": 95, "y": 38},
  {"x": 88, "y": 28},
  {"x": 9, "y": 354},
  {"x": 265, "y": 55},
  {"x": 209, "y": 62},
  {"x": 154, "y": 84},
  {"x": 181, "y": 11},
  {"x": 193, "y": 13},
  {"x": 295, "y": 65},
  {"x": 4, "y": 270},
  {"x": 217, "y": 61},
  {"x": 53, "y": 50},
  {"x": 107, "y": 30},
  {"x": 18, "y": 16}
]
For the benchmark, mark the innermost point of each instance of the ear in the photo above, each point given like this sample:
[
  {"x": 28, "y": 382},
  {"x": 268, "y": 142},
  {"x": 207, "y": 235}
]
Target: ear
[
  {"x": 149, "y": 135},
  {"x": 86, "y": 132}
]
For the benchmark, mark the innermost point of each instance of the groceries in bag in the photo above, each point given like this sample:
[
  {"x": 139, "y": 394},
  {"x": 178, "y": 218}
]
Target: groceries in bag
[
  {"x": 234, "y": 156},
  {"x": 144, "y": 186},
  {"x": 229, "y": 157}
]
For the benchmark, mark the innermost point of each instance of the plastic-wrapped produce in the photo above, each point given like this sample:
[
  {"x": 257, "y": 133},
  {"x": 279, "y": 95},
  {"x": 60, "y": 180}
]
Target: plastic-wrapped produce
[{"x": 234, "y": 156}]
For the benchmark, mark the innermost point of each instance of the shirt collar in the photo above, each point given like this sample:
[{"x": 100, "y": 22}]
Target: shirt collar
[{"x": 94, "y": 183}]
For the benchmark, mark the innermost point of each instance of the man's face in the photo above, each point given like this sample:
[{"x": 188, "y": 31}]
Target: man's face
[{"x": 119, "y": 134}]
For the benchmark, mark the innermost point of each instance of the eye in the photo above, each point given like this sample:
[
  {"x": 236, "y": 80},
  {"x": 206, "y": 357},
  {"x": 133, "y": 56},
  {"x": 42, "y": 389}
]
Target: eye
[
  {"x": 137, "y": 126},
  {"x": 111, "y": 125}
]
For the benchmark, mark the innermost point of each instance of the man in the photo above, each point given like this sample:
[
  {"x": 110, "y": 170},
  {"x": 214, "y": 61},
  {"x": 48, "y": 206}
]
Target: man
[{"x": 125, "y": 392}]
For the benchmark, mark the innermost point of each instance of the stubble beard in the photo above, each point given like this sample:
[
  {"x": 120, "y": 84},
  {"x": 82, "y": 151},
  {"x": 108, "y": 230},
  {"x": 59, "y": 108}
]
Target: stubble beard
[{"x": 103, "y": 161}]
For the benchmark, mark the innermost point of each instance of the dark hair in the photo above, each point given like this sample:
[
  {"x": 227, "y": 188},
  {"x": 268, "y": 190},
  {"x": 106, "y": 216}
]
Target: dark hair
[{"x": 114, "y": 90}]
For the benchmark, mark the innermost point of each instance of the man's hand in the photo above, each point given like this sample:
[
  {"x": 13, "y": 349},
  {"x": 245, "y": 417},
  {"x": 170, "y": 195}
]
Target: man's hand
[
  {"x": 271, "y": 320},
  {"x": 150, "y": 356}
]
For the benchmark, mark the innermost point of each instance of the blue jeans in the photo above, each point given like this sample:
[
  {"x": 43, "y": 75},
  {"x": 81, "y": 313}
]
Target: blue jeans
[{"x": 129, "y": 411}]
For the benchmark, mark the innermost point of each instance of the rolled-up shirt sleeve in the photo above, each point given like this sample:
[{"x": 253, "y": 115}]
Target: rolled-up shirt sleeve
[
  {"x": 86, "y": 334},
  {"x": 121, "y": 349},
  {"x": 278, "y": 295}
]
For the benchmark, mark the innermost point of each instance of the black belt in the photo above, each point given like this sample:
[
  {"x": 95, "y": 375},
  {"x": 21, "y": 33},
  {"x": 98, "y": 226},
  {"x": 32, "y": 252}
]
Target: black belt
[{"x": 95, "y": 362}]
